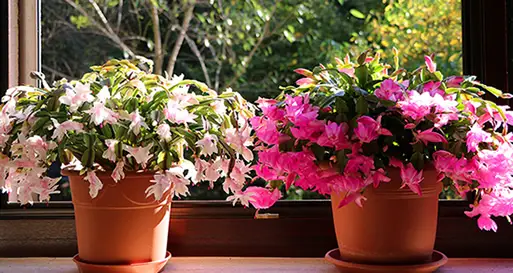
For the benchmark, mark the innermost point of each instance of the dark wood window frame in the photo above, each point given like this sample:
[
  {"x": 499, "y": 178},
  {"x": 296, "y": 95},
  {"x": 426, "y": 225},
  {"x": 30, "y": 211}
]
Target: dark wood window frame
[{"x": 303, "y": 228}]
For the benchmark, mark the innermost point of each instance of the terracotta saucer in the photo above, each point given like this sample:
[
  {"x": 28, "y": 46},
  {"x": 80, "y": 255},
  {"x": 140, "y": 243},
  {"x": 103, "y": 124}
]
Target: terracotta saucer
[
  {"x": 149, "y": 267},
  {"x": 438, "y": 259}
]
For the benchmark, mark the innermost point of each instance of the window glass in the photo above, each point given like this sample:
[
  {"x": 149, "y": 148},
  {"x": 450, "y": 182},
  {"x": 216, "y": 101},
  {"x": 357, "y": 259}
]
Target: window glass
[{"x": 251, "y": 46}]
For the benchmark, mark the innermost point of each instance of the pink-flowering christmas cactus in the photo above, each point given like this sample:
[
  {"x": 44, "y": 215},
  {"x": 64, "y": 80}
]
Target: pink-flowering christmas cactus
[
  {"x": 118, "y": 119},
  {"x": 347, "y": 123}
]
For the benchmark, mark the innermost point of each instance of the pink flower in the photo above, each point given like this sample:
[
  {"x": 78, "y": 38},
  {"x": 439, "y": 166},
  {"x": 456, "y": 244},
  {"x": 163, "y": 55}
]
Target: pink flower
[
  {"x": 430, "y": 136},
  {"x": 389, "y": 90},
  {"x": 431, "y": 66},
  {"x": 475, "y": 136},
  {"x": 304, "y": 72},
  {"x": 99, "y": 113},
  {"x": 299, "y": 111},
  {"x": 411, "y": 178},
  {"x": 266, "y": 130},
  {"x": 454, "y": 81},
  {"x": 486, "y": 223},
  {"x": 376, "y": 177},
  {"x": 349, "y": 71},
  {"x": 311, "y": 131},
  {"x": 359, "y": 163},
  {"x": 416, "y": 106},
  {"x": 262, "y": 198},
  {"x": 369, "y": 129},
  {"x": 334, "y": 135},
  {"x": 305, "y": 81},
  {"x": 356, "y": 197},
  {"x": 433, "y": 88},
  {"x": 270, "y": 110},
  {"x": 410, "y": 126}
]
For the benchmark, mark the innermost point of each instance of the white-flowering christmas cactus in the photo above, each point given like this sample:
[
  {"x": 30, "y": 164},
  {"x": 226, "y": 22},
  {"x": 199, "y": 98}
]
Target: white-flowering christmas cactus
[{"x": 119, "y": 118}]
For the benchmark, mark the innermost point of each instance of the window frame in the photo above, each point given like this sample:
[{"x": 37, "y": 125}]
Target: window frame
[{"x": 216, "y": 228}]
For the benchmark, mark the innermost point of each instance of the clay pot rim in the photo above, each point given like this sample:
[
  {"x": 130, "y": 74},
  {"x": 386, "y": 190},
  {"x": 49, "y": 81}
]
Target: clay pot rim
[{"x": 70, "y": 172}]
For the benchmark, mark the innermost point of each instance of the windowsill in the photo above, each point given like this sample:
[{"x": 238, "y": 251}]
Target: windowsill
[{"x": 228, "y": 265}]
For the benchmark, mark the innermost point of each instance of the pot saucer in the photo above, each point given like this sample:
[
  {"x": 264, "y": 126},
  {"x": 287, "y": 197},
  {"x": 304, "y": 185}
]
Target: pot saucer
[
  {"x": 149, "y": 267},
  {"x": 437, "y": 260}
]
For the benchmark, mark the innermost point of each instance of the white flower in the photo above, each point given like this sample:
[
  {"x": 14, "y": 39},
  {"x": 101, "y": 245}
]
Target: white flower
[
  {"x": 219, "y": 107},
  {"x": 46, "y": 187},
  {"x": 75, "y": 97},
  {"x": 164, "y": 131},
  {"x": 182, "y": 97},
  {"x": 230, "y": 184},
  {"x": 100, "y": 113},
  {"x": 237, "y": 177},
  {"x": 110, "y": 153},
  {"x": 180, "y": 183},
  {"x": 139, "y": 85},
  {"x": 175, "y": 80},
  {"x": 118, "y": 173},
  {"x": 162, "y": 184},
  {"x": 176, "y": 114},
  {"x": 141, "y": 154},
  {"x": 208, "y": 144},
  {"x": 213, "y": 172},
  {"x": 95, "y": 184},
  {"x": 137, "y": 122},
  {"x": 240, "y": 196},
  {"x": 200, "y": 166},
  {"x": 173, "y": 180},
  {"x": 104, "y": 94},
  {"x": 239, "y": 140},
  {"x": 192, "y": 173},
  {"x": 60, "y": 130}
]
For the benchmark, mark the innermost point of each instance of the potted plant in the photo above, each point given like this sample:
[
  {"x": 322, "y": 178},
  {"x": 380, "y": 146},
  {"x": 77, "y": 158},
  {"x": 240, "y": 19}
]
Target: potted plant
[
  {"x": 382, "y": 142},
  {"x": 130, "y": 141}
]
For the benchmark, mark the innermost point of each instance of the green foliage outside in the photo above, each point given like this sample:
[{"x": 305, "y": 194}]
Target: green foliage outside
[{"x": 252, "y": 46}]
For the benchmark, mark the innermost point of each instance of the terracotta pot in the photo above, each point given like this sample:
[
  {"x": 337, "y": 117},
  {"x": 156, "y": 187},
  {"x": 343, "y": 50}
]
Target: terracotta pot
[
  {"x": 395, "y": 226},
  {"x": 120, "y": 226}
]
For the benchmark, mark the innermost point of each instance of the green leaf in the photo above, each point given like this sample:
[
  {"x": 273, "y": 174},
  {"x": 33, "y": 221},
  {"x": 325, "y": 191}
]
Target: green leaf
[
  {"x": 341, "y": 160},
  {"x": 362, "y": 107},
  {"x": 494, "y": 91},
  {"x": 417, "y": 159},
  {"x": 438, "y": 75},
  {"x": 341, "y": 105},
  {"x": 362, "y": 73},
  {"x": 452, "y": 90},
  {"x": 318, "y": 152},
  {"x": 361, "y": 59},
  {"x": 356, "y": 13},
  {"x": 40, "y": 124}
]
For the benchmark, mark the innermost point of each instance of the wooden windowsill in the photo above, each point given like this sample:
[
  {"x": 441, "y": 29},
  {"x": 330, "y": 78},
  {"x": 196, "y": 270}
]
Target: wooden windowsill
[{"x": 228, "y": 265}]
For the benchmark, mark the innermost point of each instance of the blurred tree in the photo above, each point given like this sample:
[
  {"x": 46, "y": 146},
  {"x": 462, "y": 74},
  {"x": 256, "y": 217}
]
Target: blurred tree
[
  {"x": 416, "y": 28},
  {"x": 250, "y": 45}
]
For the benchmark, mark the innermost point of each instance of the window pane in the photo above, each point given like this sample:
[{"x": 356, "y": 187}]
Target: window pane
[{"x": 251, "y": 46}]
